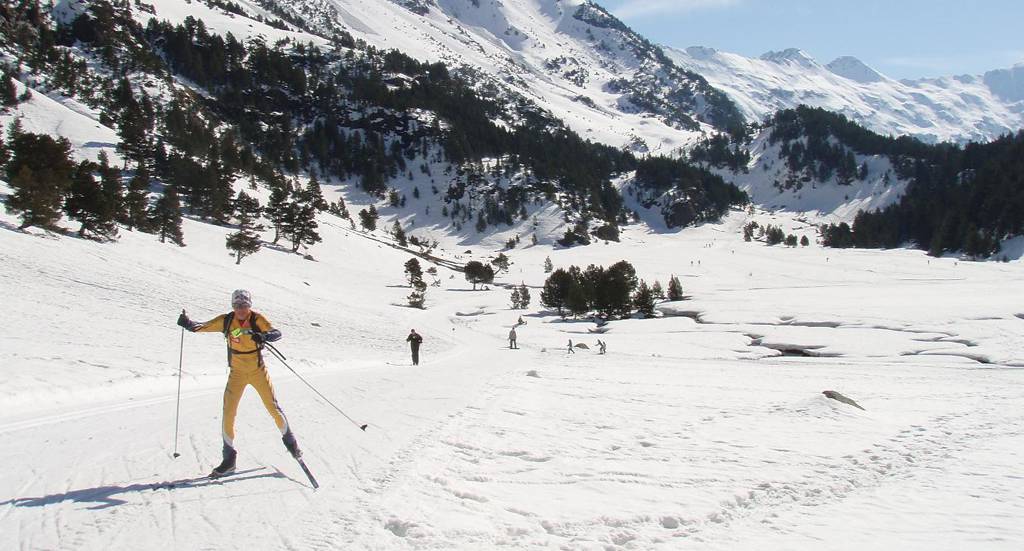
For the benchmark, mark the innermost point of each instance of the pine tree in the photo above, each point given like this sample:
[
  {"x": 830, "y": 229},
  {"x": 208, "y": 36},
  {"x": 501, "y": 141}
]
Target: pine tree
[
  {"x": 218, "y": 197},
  {"x": 804, "y": 241},
  {"x": 243, "y": 243},
  {"x": 136, "y": 201},
  {"x": 657, "y": 291},
  {"x": 135, "y": 128},
  {"x": 478, "y": 272},
  {"x": 87, "y": 204},
  {"x": 113, "y": 189},
  {"x": 368, "y": 218},
  {"x": 314, "y": 195},
  {"x": 165, "y": 217},
  {"x": 301, "y": 225},
  {"x": 433, "y": 275},
  {"x": 5, "y": 155},
  {"x": 277, "y": 208},
  {"x": 643, "y": 300},
  {"x": 399, "y": 234},
  {"x": 39, "y": 171},
  {"x": 501, "y": 262},
  {"x": 8, "y": 92},
  {"x": 414, "y": 274},
  {"x": 246, "y": 241},
  {"x": 515, "y": 298},
  {"x": 524, "y": 296},
  {"x": 577, "y": 302},
  {"x": 248, "y": 211},
  {"x": 548, "y": 266},
  {"x": 675, "y": 289},
  {"x": 556, "y": 290}
]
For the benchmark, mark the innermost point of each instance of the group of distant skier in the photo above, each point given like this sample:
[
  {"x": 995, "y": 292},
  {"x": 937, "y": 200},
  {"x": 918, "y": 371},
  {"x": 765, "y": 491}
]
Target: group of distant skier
[{"x": 602, "y": 347}]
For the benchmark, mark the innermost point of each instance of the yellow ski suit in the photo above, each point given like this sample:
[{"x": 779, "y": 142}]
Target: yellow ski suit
[{"x": 247, "y": 368}]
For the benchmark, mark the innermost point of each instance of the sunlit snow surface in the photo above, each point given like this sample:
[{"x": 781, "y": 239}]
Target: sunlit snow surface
[{"x": 692, "y": 432}]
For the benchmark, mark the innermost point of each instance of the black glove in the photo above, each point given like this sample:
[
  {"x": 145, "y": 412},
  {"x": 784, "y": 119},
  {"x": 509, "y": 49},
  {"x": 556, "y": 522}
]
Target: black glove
[
  {"x": 258, "y": 338},
  {"x": 183, "y": 321}
]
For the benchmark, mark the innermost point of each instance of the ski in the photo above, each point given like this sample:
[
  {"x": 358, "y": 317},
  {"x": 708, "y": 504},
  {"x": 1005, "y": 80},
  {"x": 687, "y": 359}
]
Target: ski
[
  {"x": 309, "y": 475},
  {"x": 193, "y": 482}
]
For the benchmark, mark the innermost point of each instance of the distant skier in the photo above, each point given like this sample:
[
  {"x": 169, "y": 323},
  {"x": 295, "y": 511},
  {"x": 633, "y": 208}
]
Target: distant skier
[
  {"x": 601, "y": 347},
  {"x": 521, "y": 321},
  {"x": 512, "y": 339},
  {"x": 570, "y": 350},
  {"x": 245, "y": 331},
  {"x": 415, "y": 340}
]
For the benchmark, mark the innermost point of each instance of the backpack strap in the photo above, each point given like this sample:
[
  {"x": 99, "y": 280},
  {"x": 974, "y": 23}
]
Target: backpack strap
[{"x": 230, "y": 317}]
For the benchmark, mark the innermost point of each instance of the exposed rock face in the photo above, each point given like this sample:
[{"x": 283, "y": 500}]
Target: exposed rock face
[{"x": 840, "y": 398}]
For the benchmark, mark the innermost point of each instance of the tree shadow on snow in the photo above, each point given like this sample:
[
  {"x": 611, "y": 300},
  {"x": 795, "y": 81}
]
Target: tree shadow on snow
[{"x": 104, "y": 496}]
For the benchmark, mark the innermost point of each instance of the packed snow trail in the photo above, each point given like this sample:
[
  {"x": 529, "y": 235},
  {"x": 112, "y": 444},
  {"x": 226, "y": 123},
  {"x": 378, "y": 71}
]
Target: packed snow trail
[
  {"x": 465, "y": 454},
  {"x": 110, "y": 458}
]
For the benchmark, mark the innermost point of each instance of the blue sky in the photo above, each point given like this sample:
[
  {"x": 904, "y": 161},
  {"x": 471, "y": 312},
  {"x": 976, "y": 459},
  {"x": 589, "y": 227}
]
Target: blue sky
[{"x": 900, "y": 38}]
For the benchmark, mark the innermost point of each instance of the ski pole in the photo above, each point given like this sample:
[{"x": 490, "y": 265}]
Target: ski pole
[
  {"x": 177, "y": 402},
  {"x": 277, "y": 353}
]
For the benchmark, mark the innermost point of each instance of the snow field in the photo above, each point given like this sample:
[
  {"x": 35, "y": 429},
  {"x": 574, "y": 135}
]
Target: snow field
[{"x": 693, "y": 430}]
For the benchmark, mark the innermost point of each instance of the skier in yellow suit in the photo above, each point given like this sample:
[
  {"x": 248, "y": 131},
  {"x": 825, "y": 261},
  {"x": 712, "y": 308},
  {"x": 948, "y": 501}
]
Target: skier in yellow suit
[{"x": 245, "y": 331}]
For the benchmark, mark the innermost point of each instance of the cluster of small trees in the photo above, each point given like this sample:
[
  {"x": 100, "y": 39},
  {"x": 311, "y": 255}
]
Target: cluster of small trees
[
  {"x": 772, "y": 235},
  {"x": 48, "y": 183},
  {"x": 611, "y": 292},
  {"x": 520, "y": 297}
]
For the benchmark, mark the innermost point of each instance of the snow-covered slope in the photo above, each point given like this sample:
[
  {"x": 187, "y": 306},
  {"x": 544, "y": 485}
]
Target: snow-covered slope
[
  {"x": 772, "y": 185},
  {"x": 568, "y": 56},
  {"x": 958, "y": 109},
  {"x": 695, "y": 430},
  {"x": 611, "y": 85}
]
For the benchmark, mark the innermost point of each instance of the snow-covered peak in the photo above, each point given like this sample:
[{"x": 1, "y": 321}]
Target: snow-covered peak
[
  {"x": 1008, "y": 84},
  {"x": 955, "y": 109},
  {"x": 791, "y": 55},
  {"x": 855, "y": 70}
]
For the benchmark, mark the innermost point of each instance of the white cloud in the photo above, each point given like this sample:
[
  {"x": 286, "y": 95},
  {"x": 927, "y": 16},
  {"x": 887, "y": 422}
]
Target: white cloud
[{"x": 642, "y": 8}]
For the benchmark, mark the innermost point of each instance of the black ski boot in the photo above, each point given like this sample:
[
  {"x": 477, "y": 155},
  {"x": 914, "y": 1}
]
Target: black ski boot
[
  {"x": 291, "y": 444},
  {"x": 227, "y": 466}
]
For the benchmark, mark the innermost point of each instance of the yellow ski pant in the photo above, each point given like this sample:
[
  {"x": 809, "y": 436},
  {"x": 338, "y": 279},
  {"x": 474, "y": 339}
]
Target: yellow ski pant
[{"x": 237, "y": 381}]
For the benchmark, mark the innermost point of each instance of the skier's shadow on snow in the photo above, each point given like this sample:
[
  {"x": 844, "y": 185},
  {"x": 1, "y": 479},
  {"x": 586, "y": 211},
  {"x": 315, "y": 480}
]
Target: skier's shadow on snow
[{"x": 103, "y": 496}]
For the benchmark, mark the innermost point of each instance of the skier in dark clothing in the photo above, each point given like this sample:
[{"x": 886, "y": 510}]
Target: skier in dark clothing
[{"x": 415, "y": 340}]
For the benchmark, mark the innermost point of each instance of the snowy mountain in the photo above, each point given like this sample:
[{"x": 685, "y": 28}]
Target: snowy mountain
[
  {"x": 532, "y": 65},
  {"x": 610, "y": 84},
  {"x": 570, "y": 57},
  {"x": 959, "y": 109}
]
